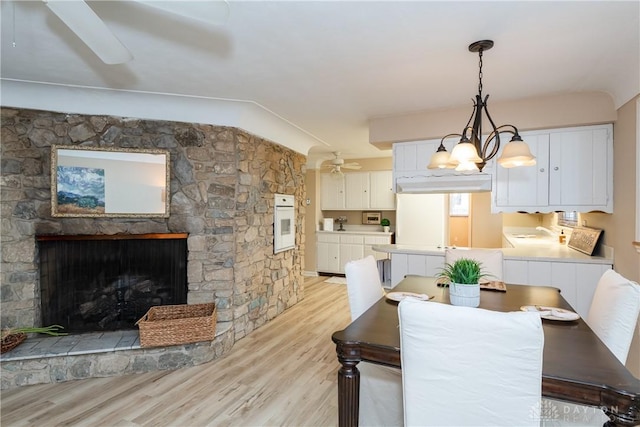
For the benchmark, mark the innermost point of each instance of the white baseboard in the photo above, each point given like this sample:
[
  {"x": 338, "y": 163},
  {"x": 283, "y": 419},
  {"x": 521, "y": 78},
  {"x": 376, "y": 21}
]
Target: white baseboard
[{"x": 310, "y": 274}]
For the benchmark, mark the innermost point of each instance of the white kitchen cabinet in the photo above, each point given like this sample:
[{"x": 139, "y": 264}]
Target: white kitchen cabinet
[
  {"x": 580, "y": 162},
  {"x": 328, "y": 253},
  {"x": 525, "y": 186},
  {"x": 333, "y": 192},
  {"x": 410, "y": 159},
  {"x": 577, "y": 281},
  {"x": 382, "y": 195},
  {"x": 357, "y": 190},
  {"x": 574, "y": 172},
  {"x": 418, "y": 264},
  {"x": 334, "y": 250},
  {"x": 351, "y": 248},
  {"x": 516, "y": 272},
  {"x": 370, "y": 241}
]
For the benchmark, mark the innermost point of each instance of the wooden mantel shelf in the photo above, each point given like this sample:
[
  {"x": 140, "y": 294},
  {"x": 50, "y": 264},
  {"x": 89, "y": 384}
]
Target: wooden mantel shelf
[{"x": 41, "y": 238}]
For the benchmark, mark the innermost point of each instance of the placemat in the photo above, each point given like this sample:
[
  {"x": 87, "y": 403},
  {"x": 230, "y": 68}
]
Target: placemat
[{"x": 495, "y": 285}]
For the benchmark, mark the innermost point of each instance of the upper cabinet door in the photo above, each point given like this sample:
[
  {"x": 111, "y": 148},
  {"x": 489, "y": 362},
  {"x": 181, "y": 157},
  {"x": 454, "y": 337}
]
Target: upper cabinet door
[
  {"x": 580, "y": 172},
  {"x": 333, "y": 197},
  {"x": 382, "y": 195},
  {"x": 357, "y": 190},
  {"x": 574, "y": 172},
  {"x": 525, "y": 188}
]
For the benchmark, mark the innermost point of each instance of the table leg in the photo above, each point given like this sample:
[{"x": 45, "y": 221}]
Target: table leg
[{"x": 348, "y": 394}]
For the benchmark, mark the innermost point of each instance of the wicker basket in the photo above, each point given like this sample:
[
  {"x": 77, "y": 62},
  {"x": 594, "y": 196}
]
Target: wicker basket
[
  {"x": 177, "y": 324},
  {"x": 11, "y": 341}
]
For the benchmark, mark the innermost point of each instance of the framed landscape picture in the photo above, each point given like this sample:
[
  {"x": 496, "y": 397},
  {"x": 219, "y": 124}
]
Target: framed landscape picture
[{"x": 80, "y": 190}]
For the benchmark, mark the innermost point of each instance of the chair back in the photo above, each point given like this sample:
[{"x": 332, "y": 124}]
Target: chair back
[
  {"x": 491, "y": 260},
  {"x": 466, "y": 366},
  {"x": 363, "y": 285},
  {"x": 614, "y": 312}
]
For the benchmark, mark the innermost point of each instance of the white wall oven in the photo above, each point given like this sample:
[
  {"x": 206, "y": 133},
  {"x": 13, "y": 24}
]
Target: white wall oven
[{"x": 284, "y": 223}]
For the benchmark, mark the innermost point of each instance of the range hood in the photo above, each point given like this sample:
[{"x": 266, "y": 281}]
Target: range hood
[{"x": 449, "y": 183}]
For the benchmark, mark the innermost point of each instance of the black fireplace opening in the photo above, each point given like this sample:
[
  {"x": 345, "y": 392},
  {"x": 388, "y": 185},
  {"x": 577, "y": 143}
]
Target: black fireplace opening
[{"x": 107, "y": 283}]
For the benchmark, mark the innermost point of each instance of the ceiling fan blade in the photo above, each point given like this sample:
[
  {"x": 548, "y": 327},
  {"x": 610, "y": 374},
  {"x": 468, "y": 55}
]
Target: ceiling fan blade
[
  {"x": 351, "y": 166},
  {"x": 88, "y": 26},
  {"x": 209, "y": 12}
]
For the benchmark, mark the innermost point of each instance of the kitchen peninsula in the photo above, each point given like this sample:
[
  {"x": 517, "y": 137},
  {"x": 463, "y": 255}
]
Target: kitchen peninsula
[{"x": 530, "y": 261}]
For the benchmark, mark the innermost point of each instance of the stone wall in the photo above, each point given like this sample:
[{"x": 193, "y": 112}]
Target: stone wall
[{"x": 223, "y": 182}]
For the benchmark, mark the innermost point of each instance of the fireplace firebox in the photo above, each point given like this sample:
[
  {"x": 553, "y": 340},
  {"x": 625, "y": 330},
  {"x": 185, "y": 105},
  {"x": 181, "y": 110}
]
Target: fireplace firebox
[{"x": 108, "y": 282}]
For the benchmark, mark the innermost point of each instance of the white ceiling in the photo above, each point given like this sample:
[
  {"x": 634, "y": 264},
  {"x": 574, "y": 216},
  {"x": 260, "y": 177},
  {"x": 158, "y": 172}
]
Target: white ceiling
[{"x": 329, "y": 66}]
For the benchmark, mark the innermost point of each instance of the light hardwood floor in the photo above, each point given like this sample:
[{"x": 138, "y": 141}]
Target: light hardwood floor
[{"x": 283, "y": 374}]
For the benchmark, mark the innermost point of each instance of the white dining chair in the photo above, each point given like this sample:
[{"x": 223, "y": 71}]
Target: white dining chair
[
  {"x": 490, "y": 260},
  {"x": 380, "y": 386},
  {"x": 614, "y": 312},
  {"x": 363, "y": 285},
  {"x": 465, "y": 366},
  {"x": 613, "y": 316}
]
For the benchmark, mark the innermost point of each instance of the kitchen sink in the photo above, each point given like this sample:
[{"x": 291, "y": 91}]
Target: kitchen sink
[{"x": 532, "y": 239}]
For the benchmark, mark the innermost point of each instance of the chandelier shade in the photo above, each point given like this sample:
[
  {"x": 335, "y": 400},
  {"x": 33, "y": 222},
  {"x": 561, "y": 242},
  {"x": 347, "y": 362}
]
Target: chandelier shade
[
  {"x": 470, "y": 153},
  {"x": 440, "y": 160},
  {"x": 516, "y": 153},
  {"x": 464, "y": 152}
]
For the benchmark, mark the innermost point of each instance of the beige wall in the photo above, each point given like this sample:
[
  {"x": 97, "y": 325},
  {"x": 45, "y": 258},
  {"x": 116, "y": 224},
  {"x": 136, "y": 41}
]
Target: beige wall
[
  {"x": 486, "y": 228},
  {"x": 459, "y": 231},
  {"x": 522, "y": 220},
  {"x": 313, "y": 212},
  {"x": 535, "y": 113},
  {"x": 619, "y": 228}
]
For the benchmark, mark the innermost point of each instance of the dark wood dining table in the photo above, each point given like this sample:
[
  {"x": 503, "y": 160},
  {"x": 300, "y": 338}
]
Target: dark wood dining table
[{"x": 577, "y": 366}]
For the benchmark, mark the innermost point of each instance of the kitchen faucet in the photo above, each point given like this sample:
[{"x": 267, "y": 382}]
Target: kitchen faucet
[{"x": 551, "y": 233}]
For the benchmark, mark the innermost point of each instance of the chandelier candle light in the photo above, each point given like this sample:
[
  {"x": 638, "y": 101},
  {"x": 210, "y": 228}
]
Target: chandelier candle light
[{"x": 470, "y": 154}]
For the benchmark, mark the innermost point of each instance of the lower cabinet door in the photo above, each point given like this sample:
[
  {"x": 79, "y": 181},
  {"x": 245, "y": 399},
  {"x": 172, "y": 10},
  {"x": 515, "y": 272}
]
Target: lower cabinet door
[
  {"x": 328, "y": 257},
  {"x": 350, "y": 252}
]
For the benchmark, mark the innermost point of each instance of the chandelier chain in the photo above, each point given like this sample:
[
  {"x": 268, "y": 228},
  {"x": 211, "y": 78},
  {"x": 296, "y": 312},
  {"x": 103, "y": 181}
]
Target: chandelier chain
[{"x": 480, "y": 73}]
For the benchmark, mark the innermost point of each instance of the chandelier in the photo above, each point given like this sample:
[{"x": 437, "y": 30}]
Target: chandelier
[{"x": 470, "y": 153}]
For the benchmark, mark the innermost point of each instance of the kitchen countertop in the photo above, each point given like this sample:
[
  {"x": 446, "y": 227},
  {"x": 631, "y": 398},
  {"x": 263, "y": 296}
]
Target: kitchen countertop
[
  {"x": 373, "y": 233},
  {"x": 538, "y": 251}
]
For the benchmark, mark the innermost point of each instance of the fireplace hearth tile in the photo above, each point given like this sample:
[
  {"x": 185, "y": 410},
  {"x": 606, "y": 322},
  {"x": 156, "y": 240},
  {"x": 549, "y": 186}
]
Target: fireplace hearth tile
[{"x": 98, "y": 342}]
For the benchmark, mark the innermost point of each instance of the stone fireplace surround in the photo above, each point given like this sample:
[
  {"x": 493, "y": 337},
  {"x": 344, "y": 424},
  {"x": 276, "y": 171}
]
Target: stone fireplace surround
[{"x": 222, "y": 185}]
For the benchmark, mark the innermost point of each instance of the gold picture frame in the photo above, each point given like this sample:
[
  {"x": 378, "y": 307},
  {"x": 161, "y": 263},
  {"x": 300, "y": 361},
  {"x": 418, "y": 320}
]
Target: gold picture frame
[{"x": 109, "y": 182}]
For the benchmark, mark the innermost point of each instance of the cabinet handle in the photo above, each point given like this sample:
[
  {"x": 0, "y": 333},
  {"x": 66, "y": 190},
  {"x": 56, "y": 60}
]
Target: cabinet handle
[
  {"x": 541, "y": 169},
  {"x": 556, "y": 168}
]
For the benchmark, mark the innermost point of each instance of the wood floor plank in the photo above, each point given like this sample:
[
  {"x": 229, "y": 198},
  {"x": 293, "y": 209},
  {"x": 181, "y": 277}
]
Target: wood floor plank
[{"x": 282, "y": 374}]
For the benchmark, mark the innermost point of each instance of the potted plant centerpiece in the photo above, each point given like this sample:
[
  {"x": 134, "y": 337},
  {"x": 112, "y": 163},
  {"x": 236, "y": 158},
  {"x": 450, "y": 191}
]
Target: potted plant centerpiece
[
  {"x": 385, "y": 223},
  {"x": 464, "y": 281}
]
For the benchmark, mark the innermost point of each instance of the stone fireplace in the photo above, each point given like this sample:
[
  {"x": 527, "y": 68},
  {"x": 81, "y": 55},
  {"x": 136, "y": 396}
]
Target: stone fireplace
[
  {"x": 107, "y": 283},
  {"x": 223, "y": 182}
]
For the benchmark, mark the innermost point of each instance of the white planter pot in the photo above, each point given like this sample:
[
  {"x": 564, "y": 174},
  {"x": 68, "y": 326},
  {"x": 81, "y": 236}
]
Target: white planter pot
[
  {"x": 465, "y": 295},
  {"x": 385, "y": 228}
]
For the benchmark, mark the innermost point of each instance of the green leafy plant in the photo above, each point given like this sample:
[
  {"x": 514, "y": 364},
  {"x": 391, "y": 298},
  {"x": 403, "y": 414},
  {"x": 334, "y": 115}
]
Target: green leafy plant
[
  {"x": 385, "y": 222},
  {"x": 464, "y": 271},
  {"x": 49, "y": 330}
]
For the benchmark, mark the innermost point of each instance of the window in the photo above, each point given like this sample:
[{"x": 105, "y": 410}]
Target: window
[
  {"x": 568, "y": 219},
  {"x": 459, "y": 204}
]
